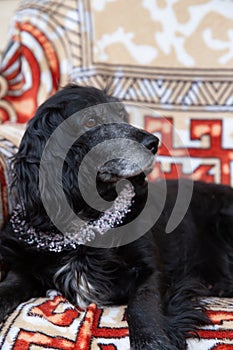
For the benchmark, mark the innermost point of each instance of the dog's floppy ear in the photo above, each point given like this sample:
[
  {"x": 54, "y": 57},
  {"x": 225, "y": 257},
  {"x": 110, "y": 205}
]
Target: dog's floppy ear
[{"x": 26, "y": 164}]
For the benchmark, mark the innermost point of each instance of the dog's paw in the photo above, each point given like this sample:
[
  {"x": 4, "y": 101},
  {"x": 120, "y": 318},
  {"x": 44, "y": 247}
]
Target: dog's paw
[{"x": 151, "y": 344}]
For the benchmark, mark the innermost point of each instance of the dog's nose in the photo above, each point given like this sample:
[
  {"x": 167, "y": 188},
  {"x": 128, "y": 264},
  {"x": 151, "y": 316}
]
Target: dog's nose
[{"x": 151, "y": 143}]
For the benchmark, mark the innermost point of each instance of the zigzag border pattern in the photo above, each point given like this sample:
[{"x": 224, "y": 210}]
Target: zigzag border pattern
[{"x": 166, "y": 93}]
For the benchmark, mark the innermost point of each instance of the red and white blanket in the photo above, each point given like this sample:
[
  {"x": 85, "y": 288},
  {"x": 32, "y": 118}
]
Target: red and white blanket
[{"x": 53, "y": 323}]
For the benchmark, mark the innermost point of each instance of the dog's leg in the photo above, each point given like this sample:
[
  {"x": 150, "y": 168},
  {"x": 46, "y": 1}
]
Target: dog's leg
[
  {"x": 15, "y": 289},
  {"x": 147, "y": 324},
  {"x": 184, "y": 310}
]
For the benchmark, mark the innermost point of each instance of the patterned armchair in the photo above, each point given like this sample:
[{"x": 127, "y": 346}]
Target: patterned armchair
[{"x": 173, "y": 60}]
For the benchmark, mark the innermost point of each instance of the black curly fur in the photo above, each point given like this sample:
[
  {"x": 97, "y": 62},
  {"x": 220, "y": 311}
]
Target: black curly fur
[{"x": 160, "y": 276}]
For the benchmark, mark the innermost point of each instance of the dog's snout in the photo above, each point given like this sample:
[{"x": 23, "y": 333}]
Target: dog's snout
[{"x": 151, "y": 143}]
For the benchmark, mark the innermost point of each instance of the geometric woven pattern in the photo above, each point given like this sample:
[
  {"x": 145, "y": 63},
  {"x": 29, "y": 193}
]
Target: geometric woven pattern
[
  {"x": 218, "y": 336},
  {"x": 165, "y": 93},
  {"x": 53, "y": 323},
  {"x": 209, "y": 160}
]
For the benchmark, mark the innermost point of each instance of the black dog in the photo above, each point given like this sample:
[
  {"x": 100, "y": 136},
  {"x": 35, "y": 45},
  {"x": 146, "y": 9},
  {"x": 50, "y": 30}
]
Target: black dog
[{"x": 94, "y": 259}]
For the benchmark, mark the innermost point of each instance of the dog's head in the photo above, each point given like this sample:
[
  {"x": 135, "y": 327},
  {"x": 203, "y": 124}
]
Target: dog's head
[{"x": 91, "y": 140}]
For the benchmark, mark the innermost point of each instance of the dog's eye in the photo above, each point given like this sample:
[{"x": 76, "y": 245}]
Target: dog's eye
[{"x": 90, "y": 122}]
